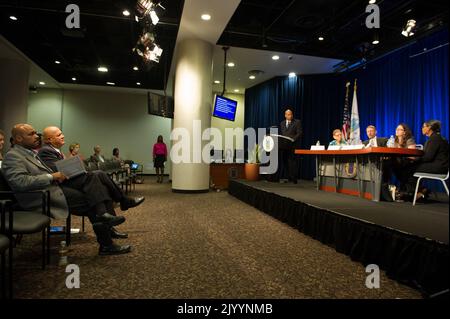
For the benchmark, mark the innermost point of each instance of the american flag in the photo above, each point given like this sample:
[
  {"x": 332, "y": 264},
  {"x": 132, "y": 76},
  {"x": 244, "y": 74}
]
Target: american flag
[{"x": 346, "y": 120}]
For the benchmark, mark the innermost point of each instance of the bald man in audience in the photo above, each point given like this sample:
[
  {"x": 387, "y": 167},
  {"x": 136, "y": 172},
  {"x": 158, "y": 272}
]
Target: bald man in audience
[
  {"x": 2, "y": 143},
  {"x": 97, "y": 185},
  {"x": 25, "y": 172}
]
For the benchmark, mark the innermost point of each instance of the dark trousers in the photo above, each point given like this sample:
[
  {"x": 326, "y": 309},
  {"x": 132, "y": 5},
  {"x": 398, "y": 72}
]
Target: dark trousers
[
  {"x": 406, "y": 176},
  {"x": 80, "y": 206},
  {"x": 97, "y": 186},
  {"x": 288, "y": 164}
]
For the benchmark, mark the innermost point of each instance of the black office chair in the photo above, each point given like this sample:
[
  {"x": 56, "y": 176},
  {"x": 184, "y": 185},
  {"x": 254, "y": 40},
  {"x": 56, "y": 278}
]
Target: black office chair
[{"x": 4, "y": 245}]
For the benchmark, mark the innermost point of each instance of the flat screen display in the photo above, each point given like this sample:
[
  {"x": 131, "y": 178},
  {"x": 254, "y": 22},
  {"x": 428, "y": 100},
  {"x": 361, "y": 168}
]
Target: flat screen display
[{"x": 224, "y": 108}]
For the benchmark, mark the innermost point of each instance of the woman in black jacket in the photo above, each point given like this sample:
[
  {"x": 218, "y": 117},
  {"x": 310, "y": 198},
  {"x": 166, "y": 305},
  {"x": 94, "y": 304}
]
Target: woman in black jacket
[{"x": 434, "y": 160}]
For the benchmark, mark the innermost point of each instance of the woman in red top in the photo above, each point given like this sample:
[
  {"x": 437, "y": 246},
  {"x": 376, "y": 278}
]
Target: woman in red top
[{"x": 159, "y": 157}]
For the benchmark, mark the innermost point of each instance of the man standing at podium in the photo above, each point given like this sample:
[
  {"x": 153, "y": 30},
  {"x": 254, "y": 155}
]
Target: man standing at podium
[{"x": 291, "y": 128}]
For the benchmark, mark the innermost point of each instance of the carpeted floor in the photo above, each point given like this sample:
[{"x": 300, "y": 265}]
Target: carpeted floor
[{"x": 199, "y": 246}]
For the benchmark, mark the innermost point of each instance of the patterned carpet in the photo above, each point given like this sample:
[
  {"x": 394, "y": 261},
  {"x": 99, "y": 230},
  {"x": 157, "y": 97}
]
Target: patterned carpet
[{"x": 199, "y": 246}]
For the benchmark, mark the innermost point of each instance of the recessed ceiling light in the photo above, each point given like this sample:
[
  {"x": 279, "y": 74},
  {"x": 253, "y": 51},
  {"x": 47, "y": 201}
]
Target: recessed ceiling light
[
  {"x": 136, "y": 68},
  {"x": 138, "y": 83},
  {"x": 126, "y": 13},
  {"x": 372, "y": 1},
  {"x": 375, "y": 42},
  {"x": 57, "y": 62},
  {"x": 252, "y": 77},
  {"x": 231, "y": 64},
  {"x": 217, "y": 82},
  {"x": 74, "y": 79},
  {"x": 321, "y": 38},
  {"x": 110, "y": 83},
  {"x": 102, "y": 69},
  {"x": 13, "y": 18},
  {"x": 292, "y": 75},
  {"x": 41, "y": 83},
  {"x": 276, "y": 57},
  {"x": 206, "y": 17},
  {"x": 236, "y": 90}
]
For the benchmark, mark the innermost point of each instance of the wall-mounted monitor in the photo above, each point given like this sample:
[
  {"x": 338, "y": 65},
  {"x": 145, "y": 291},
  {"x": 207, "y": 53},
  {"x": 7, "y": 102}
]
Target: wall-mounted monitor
[
  {"x": 160, "y": 105},
  {"x": 224, "y": 108}
]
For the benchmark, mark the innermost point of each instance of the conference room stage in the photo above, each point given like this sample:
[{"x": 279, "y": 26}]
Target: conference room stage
[{"x": 409, "y": 243}]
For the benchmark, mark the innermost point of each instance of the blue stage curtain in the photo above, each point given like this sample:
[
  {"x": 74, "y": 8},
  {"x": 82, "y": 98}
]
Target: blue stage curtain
[
  {"x": 396, "y": 88},
  {"x": 403, "y": 88},
  {"x": 265, "y": 103}
]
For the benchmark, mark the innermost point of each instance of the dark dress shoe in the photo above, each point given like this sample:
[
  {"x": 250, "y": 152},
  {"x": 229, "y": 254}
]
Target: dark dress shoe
[
  {"x": 131, "y": 202},
  {"x": 117, "y": 235},
  {"x": 110, "y": 220},
  {"x": 114, "y": 249}
]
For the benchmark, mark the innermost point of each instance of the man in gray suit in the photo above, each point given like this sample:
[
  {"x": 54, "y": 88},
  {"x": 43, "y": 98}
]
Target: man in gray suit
[
  {"x": 24, "y": 171},
  {"x": 98, "y": 188}
]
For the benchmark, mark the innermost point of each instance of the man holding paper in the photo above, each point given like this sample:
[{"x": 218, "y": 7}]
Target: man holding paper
[
  {"x": 97, "y": 186},
  {"x": 25, "y": 171}
]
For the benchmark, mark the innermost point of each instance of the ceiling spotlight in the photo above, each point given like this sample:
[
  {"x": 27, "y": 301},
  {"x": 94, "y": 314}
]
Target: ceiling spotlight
[
  {"x": 102, "y": 69},
  {"x": 216, "y": 82},
  {"x": 147, "y": 7},
  {"x": 237, "y": 91},
  {"x": 321, "y": 38},
  {"x": 143, "y": 7},
  {"x": 292, "y": 75},
  {"x": 147, "y": 48},
  {"x": 41, "y": 83},
  {"x": 136, "y": 68},
  {"x": 126, "y": 13},
  {"x": 13, "y": 18},
  {"x": 57, "y": 62},
  {"x": 206, "y": 17},
  {"x": 372, "y": 1},
  {"x": 74, "y": 79},
  {"x": 276, "y": 57},
  {"x": 375, "y": 42},
  {"x": 252, "y": 77},
  {"x": 138, "y": 83},
  {"x": 153, "y": 54},
  {"x": 231, "y": 65},
  {"x": 110, "y": 83},
  {"x": 408, "y": 30},
  {"x": 154, "y": 17}
]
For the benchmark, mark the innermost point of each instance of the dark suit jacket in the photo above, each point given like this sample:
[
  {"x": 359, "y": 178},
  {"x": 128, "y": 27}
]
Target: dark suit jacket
[
  {"x": 49, "y": 156},
  {"x": 26, "y": 173},
  {"x": 95, "y": 158},
  {"x": 381, "y": 141},
  {"x": 294, "y": 130},
  {"x": 435, "y": 158}
]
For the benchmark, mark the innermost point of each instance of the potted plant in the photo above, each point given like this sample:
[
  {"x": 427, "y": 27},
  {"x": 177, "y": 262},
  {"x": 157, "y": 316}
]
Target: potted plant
[{"x": 252, "y": 166}]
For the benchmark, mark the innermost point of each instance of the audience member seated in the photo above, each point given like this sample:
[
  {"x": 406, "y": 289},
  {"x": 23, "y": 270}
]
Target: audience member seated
[
  {"x": 97, "y": 157},
  {"x": 433, "y": 161},
  {"x": 337, "y": 138},
  {"x": 24, "y": 172},
  {"x": 97, "y": 186},
  {"x": 116, "y": 157},
  {"x": 373, "y": 140},
  {"x": 2, "y": 143},
  {"x": 74, "y": 150}
]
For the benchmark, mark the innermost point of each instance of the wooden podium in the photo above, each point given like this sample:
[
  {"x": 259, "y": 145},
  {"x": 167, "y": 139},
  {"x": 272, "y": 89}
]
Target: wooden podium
[{"x": 221, "y": 173}]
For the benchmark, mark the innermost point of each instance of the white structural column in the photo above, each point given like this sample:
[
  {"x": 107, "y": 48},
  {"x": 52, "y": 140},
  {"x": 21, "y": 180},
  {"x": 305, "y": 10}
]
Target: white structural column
[
  {"x": 13, "y": 93},
  {"x": 193, "y": 98}
]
